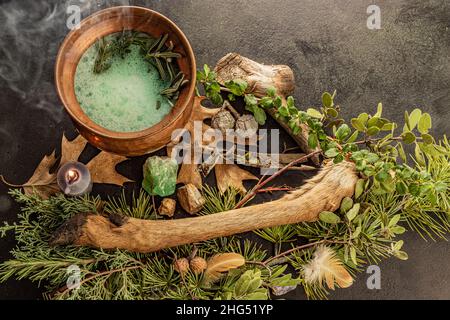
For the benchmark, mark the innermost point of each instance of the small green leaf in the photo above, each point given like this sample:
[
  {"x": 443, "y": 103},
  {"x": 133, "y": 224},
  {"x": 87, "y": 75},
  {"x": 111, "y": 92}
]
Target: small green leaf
[
  {"x": 329, "y": 217},
  {"x": 373, "y": 122},
  {"x": 312, "y": 140},
  {"x": 260, "y": 115},
  {"x": 414, "y": 118},
  {"x": 331, "y": 112},
  {"x": 290, "y": 102},
  {"x": 398, "y": 230},
  {"x": 427, "y": 138},
  {"x": 401, "y": 152},
  {"x": 271, "y": 92},
  {"x": 283, "y": 111},
  {"x": 389, "y": 126},
  {"x": 250, "y": 99},
  {"x": 398, "y": 245},
  {"x": 419, "y": 155},
  {"x": 314, "y": 113},
  {"x": 408, "y": 137},
  {"x": 346, "y": 204},
  {"x": 206, "y": 69},
  {"x": 237, "y": 87},
  {"x": 277, "y": 102},
  {"x": 372, "y": 131},
  {"x": 407, "y": 122},
  {"x": 353, "y": 255},
  {"x": 358, "y": 125},
  {"x": 402, "y": 255},
  {"x": 363, "y": 117},
  {"x": 379, "y": 110},
  {"x": 394, "y": 220},
  {"x": 331, "y": 153},
  {"x": 327, "y": 100},
  {"x": 424, "y": 123},
  {"x": 353, "y": 137},
  {"x": 356, "y": 233},
  {"x": 343, "y": 132},
  {"x": 353, "y": 212},
  {"x": 266, "y": 102},
  {"x": 360, "y": 187}
]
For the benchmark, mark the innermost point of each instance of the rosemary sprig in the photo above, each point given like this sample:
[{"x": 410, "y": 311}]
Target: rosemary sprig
[
  {"x": 162, "y": 56},
  {"x": 173, "y": 90},
  {"x": 154, "y": 51},
  {"x": 104, "y": 55}
]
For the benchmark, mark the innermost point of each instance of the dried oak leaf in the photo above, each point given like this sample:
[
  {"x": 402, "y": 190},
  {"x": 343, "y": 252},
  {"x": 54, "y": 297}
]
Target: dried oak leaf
[
  {"x": 43, "y": 183},
  {"x": 102, "y": 169},
  {"x": 220, "y": 263},
  {"x": 230, "y": 175}
]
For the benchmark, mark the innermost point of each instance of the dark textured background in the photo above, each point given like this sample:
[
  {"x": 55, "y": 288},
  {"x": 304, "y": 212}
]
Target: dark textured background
[{"x": 327, "y": 43}]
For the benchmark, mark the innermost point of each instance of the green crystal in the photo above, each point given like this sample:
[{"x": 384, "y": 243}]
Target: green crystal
[{"x": 160, "y": 176}]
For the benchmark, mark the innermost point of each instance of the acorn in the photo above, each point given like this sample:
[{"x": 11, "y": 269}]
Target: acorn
[
  {"x": 198, "y": 265},
  {"x": 181, "y": 265}
]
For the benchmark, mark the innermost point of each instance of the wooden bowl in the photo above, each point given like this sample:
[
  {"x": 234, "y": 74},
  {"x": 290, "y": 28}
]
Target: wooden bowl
[{"x": 103, "y": 23}]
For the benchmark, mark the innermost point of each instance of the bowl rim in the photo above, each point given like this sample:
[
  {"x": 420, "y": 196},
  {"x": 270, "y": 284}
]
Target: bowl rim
[{"x": 168, "y": 119}]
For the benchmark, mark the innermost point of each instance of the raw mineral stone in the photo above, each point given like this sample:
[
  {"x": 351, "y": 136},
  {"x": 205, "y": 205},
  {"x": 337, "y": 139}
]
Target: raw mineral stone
[
  {"x": 190, "y": 198},
  {"x": 160, "y": 176},
  {"x": 167, "y": 207}
]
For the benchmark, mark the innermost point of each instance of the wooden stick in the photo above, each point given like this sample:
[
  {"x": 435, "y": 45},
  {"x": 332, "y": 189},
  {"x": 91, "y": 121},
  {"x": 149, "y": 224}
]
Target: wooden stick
[{"x": 324, "y": 192}]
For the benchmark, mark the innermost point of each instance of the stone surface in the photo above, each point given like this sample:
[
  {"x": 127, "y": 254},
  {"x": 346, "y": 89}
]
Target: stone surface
[
  {"x": 190, "y": 198},
  {"x": 404, "y": 64},
  {"x": 160, "y": 176},
  {"x": 167, "y": 207}
]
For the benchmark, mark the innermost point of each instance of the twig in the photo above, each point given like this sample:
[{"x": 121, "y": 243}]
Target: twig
[
  {"x": 376, "y": 140},
  {"x": 262, "y": 183},
  {"x": 290, "y": 149},
  {"x": 272, "y": 189},
  {"x": 262, "y": 264},
  {"x": 232, "y": 110}
]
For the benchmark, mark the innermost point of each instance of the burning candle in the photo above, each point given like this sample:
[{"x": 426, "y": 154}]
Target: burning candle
[{"x": 74, "y": 179}]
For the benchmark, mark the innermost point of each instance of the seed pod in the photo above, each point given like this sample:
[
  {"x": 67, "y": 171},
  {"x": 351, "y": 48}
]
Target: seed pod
[
  {"x": 181, "y": 265},
  {"x": 198, "y": 265},
  {"x": 223, "y": 121}
]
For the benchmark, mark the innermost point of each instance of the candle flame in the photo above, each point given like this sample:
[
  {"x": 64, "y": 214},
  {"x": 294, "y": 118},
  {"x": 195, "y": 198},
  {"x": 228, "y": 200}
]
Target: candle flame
[{"x": 72, "y": 176}]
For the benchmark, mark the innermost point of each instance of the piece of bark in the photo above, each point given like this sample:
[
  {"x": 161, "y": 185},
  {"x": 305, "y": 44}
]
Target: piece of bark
[
  {"x": 190, "y": 199},
  {"x": 260, "y": 78},
  {"x": 167, "y": 207},
  {"x": 324, "y": 192}
]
